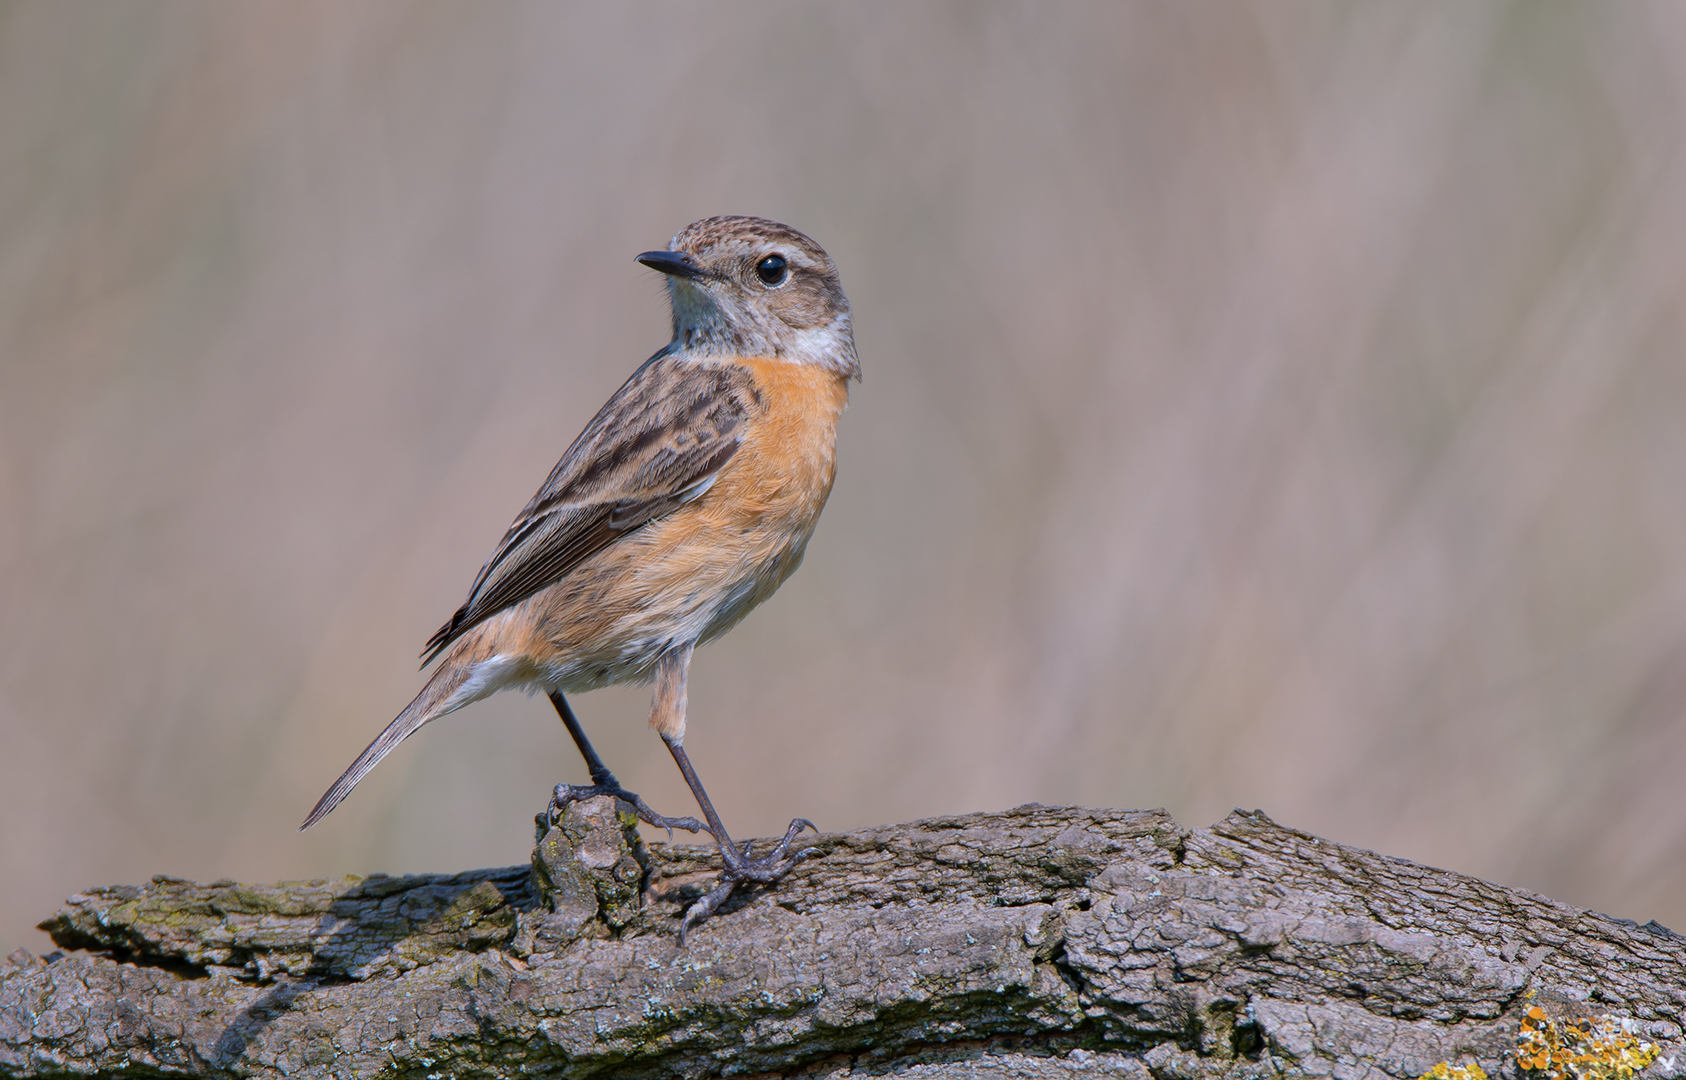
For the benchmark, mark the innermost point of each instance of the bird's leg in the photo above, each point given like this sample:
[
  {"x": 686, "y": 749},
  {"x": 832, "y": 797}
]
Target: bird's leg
[
  {"x": 603, "y": 781},
  {"x": 739, "y": 866},
  {"x": 668, "y": 717}
]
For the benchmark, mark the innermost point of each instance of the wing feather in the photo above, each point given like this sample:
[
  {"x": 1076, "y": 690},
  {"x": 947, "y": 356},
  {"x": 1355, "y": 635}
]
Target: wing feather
[{"x": 658, "y": 443}]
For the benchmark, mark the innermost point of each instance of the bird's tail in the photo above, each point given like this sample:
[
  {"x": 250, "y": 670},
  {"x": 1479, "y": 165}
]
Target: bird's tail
[{"x": 434, "y": 701}]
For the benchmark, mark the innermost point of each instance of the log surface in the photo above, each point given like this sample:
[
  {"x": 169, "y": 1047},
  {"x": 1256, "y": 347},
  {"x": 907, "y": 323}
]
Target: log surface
[{"x": 1039, "y": 942}]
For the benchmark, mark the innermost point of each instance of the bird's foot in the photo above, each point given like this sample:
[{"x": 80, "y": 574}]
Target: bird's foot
[
  {"x": 567, "y": 793},
  {"x": 740, "y": 868}
]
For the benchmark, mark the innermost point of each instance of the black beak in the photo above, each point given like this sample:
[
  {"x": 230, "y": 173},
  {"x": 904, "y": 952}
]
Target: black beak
[{"x": 676, "y": 263}]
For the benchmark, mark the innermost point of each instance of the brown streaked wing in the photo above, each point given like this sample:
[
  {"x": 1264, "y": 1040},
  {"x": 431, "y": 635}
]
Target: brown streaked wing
[{"x": 658, "y": 442}]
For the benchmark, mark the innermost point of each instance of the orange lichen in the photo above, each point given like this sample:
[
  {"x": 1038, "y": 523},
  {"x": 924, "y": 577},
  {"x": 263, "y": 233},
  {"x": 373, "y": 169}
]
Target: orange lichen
[
  {"x": 1601, "y": 1048},
  {"x": 1604, "y": 1048}
]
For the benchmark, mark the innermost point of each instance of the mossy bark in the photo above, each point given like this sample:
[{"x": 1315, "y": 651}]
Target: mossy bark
[{"x": 1039, "y": 942}]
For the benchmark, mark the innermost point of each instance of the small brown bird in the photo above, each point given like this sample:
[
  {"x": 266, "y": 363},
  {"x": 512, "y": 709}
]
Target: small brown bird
[{"x": 687, "y": 501}]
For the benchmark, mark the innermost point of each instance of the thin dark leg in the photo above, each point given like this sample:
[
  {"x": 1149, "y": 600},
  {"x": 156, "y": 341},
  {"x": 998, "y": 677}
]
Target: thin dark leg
[
  {"x": 739, "y": 866},
  {"x": 603, "y": 781},
  {"x": 600, "y": 773}
]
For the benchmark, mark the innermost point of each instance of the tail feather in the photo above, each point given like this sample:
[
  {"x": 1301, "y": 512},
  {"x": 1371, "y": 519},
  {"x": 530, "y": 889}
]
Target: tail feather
[{"x": 430, "y": 704}]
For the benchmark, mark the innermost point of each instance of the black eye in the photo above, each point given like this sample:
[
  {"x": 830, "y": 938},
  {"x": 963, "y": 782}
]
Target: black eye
[{"x": 771, "y": 270}]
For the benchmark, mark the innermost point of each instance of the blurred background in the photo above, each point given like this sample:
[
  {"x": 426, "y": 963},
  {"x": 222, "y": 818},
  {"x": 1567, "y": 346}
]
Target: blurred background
[{"x": 1273, "y": 406}]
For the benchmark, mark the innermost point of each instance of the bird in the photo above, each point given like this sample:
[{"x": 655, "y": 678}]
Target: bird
[{"x": 686, "y": 502}]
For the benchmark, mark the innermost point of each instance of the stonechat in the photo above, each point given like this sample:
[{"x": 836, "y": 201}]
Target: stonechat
[{"x": 687, "y": 501}]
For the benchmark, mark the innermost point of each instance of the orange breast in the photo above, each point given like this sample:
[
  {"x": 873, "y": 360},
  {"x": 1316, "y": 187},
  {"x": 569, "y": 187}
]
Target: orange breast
[
  {"x": 733, "y": 547},
  {"x": 692, "y": 575},
  {"x": 782, "y": 474}
]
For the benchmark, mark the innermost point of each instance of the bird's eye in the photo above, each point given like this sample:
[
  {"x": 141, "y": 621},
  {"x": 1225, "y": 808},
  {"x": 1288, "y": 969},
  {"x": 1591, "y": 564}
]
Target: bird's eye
[{"x": 771, "y": 270}]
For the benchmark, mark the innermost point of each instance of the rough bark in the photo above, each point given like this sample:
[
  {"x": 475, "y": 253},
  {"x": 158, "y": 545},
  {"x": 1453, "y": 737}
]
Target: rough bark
[{"x": 1040, "y": 942}]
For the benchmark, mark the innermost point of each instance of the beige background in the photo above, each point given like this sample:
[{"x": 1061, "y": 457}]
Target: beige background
[{"x": 1275, "y": 406}]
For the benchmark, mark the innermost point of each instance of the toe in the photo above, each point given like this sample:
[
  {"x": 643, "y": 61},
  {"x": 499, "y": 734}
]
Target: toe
[{"x": 705, "y": 907}]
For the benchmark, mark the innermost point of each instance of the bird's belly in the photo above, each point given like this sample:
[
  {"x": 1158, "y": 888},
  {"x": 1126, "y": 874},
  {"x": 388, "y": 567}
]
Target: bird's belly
[{"x": 687, "y": 582}]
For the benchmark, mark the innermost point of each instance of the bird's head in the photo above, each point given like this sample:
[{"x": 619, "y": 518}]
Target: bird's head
[{"x": 745, "y": 286}]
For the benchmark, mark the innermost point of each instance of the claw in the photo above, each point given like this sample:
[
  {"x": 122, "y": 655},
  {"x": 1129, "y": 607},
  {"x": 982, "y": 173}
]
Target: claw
[
  {"x": 740, "y": 868},
  {"x": 705, "y": 907},
  {"x": 567, "y": 793}
]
